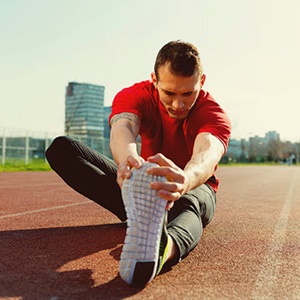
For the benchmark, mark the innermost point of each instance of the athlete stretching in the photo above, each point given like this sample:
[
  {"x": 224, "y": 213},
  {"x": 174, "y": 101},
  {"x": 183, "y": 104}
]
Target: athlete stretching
[{"x": 167, "y": 192}]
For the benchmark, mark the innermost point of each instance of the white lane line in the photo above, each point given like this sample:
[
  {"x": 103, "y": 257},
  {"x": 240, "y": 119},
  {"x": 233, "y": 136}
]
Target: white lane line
[
  {"x": 269, "y": 269},
  {"x": 43, "y": 210},
  {"x": 16, "y": 186}
]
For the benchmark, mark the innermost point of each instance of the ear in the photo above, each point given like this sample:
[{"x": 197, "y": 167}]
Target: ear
[
  {"x": 203, "y": 78},
  {"x": 154, "y": 79}
]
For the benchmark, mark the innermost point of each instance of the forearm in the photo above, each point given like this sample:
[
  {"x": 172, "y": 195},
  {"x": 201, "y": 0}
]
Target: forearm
[
  {"x": 124, "y": 131},
  {"x": 122, "y": 143},
  {"x": 199, "y": 170},
  {"x": 207, "y": 152}
]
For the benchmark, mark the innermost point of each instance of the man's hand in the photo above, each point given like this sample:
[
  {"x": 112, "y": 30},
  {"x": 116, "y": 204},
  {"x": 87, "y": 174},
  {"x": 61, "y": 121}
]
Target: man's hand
[
  {"x": 124, "y": 168},
  {"x": 177, "y": 181}
]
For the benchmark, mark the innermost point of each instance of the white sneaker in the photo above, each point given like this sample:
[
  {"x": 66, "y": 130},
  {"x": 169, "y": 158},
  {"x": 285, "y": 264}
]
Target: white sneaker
[{"x": 146, "y": 241}]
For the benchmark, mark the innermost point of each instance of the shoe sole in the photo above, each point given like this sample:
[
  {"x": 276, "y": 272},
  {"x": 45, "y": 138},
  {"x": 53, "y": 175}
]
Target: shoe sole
[{"x": 145, "y": 213}]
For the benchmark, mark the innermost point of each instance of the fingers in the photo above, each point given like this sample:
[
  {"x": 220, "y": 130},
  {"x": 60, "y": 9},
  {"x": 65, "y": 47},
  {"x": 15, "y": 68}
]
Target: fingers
[
  {"x": 171, "y": 174},
  {"x": 173, "y": 189},
  {"x": 170, "y": 191},
  {"x": 134, "y": 161},
  {"x": 161, "y": 160},
  {"x": 170, "y": 204},
  {"x": 166, "y": 195},
  {"x": 124, "y": 168}
]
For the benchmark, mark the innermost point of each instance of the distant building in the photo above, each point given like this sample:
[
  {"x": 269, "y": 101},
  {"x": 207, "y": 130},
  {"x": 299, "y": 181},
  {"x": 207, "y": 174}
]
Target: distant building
[
  {"x": 107, "y": 112},
  {"x": 262, "y": 149},
  {"x": 106, "y": 148},
  {"x": 272, "y": 136},
  {"x": 237, "y": 151},
  {"x": 84, "y": 110}
]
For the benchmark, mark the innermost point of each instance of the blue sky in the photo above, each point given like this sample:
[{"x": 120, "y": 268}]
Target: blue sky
[{"x": 250, "y": 51}]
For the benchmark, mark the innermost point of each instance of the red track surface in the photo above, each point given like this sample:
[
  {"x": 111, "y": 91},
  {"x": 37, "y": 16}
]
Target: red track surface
[{"x": 56, "y": 244}]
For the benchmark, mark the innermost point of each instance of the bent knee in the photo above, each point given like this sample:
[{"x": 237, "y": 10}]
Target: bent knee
[{"x": 56, "y": 148}]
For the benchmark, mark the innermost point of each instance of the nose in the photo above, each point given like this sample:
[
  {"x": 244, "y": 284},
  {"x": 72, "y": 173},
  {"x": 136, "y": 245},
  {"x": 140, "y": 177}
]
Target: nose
[{"x": 178, "y": 103}]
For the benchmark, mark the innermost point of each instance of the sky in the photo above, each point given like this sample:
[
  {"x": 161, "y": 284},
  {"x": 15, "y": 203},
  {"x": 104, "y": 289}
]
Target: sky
[{"x": 249, "y": 48}]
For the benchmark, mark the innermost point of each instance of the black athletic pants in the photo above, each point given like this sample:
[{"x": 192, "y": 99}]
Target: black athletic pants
[{"x": 94, "y": 176}]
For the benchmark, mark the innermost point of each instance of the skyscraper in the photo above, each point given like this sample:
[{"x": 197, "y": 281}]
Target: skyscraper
[
  {"x": 107, "y": 112},
  {"x": 84, "y": 110}
]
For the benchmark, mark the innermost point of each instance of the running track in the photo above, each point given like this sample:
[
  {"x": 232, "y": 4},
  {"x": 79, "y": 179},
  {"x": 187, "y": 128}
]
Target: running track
[{"x": 56, "y": 244}]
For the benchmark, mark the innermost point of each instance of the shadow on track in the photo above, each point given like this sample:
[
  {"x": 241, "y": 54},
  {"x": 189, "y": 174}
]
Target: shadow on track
[{"x": 30, "y": 261}]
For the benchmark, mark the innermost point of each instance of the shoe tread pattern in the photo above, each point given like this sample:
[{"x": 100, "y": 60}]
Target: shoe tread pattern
[{"x": 145, "y": 213}]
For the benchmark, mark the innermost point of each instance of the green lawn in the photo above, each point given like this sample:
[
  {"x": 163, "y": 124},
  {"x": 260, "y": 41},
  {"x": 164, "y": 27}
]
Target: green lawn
[
  {"x": 42, "y": 165},
  {"x": 19, "y": 165}
]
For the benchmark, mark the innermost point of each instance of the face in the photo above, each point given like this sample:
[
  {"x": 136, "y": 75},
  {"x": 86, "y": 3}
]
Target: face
[{"x": 178, "y": 94}]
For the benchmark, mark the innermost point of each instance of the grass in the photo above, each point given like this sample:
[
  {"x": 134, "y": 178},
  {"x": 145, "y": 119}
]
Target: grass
[
  {"x": 19, "y": 165},
  {"x": 42, "y": 165}
]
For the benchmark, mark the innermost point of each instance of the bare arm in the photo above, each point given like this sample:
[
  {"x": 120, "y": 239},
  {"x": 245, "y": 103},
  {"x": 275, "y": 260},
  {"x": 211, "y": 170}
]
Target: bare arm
[
  {"x": 124, "y": 131},
  {"x": 207, "y": 152}
]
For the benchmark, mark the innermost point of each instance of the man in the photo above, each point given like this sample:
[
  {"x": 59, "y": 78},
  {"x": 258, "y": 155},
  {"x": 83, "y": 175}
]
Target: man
[{"x": 184, "y": 134}]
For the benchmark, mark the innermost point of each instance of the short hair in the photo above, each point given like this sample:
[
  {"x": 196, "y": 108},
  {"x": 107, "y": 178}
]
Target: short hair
[{"x": 183, "y": 57}]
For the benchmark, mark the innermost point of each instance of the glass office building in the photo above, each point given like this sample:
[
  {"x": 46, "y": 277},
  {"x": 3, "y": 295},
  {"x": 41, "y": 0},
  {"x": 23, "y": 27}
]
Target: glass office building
[{"x": 84, "y": 110}]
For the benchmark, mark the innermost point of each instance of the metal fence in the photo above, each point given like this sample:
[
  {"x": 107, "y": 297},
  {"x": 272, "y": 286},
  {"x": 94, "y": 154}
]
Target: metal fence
[{"x": 26, "y": 146}]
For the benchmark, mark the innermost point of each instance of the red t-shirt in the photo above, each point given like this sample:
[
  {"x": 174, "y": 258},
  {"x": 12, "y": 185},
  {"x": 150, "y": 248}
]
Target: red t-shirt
[{"x": 171, "y": 137}]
